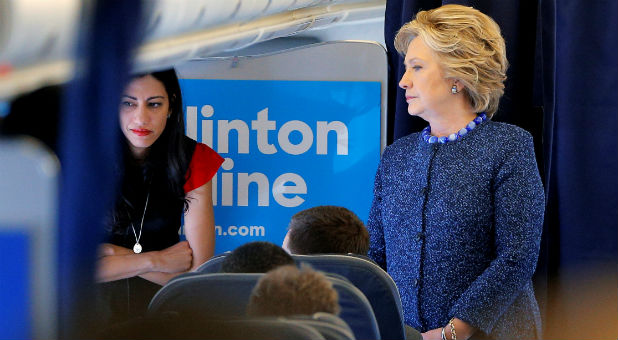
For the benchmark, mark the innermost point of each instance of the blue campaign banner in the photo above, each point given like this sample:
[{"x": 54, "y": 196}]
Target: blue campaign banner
[{"x": 288, "y": 146}]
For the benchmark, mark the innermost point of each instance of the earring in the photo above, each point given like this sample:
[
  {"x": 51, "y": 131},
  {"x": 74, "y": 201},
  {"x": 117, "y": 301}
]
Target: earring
[
  {"x": 454, "y": 89},
  {"x": 168, "y": 115}
]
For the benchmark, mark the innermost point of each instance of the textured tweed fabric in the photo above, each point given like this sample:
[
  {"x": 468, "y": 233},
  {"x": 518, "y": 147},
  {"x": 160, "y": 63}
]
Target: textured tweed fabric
[{"x": 458, "y": 227}]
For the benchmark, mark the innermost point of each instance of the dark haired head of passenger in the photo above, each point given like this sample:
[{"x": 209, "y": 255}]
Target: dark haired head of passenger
[
  {"x": 289, "y": 291},
  {"x": 326, "y": 229},
  {"x": 255, "y": 257}
]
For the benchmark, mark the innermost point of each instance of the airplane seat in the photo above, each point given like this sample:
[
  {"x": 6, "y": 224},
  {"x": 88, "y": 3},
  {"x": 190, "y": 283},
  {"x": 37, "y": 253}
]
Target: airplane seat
[
  {"x": 209, "y": 296},
  {"x": 213, "y": 265},
  {"x": 372, "y": 281},
  {"x": 29, "y": 176},
  {"x": 222, "y": 296},
  {"x": 273, "y": 328},
  {"x": 171, "y": 325},
  {"x": 329, "y": 325}
]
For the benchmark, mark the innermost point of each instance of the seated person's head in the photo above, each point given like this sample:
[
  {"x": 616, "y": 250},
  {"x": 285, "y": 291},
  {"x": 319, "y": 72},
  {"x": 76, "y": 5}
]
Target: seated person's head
[
  {"x": 326, "y": 229},
  {"x": 288, "y": 290},
  {"x": 255, "y": 257}
]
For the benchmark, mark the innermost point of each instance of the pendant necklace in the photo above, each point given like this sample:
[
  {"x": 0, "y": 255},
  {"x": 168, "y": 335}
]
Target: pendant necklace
[{"x": 137, "y": 248}]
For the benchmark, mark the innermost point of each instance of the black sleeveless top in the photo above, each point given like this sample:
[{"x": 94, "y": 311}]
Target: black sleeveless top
[{"x": 124, "y": 299}]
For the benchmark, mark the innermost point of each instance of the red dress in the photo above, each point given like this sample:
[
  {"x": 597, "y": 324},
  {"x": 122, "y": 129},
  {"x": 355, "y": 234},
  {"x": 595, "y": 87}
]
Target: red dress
[{"x": 203, "y": 167}]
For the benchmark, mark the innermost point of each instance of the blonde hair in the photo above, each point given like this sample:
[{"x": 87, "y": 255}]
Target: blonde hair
[
  {"x": 288, "y": 291},
  {"x": 469, "y": 47}
]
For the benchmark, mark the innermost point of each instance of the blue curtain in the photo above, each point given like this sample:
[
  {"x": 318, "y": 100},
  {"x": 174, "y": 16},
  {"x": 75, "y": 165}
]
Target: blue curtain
[
  {"x": 88, "y": 150},
  {"x": 580, "y": 86},
  {"x": 561, "y": 87}
]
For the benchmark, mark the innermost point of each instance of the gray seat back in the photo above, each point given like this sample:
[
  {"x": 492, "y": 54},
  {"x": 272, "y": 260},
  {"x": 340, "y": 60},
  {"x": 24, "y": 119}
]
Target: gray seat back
[
  {"x": 330, "y": 326},
  {"x": 226, "y": 295},
  {"x": 213, "y": 265},
  {"x": 373, "y": 282},
  {"x": 172, "y": 325},
  {"x": 212, "y": 296}
]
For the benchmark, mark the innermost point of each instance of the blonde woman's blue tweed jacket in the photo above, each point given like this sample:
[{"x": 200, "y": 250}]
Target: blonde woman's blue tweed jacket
[{"x": 458, "y": 227}]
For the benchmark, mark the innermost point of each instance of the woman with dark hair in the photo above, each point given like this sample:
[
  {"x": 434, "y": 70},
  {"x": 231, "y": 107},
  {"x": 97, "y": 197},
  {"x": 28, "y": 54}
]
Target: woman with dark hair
[{"x": 165, "y": 175}]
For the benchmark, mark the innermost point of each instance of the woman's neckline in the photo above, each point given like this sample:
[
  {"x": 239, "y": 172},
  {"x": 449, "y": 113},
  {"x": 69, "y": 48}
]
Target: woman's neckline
[{"x": 428, "y": 138}]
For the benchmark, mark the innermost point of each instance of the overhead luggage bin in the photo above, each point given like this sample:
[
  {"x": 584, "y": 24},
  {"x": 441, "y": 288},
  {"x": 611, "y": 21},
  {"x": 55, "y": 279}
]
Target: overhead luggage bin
[{"x": 36, "y": 48}]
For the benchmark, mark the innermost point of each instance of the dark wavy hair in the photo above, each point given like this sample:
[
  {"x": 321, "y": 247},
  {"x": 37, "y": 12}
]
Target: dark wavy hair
[{"x": 166, "y": 161}]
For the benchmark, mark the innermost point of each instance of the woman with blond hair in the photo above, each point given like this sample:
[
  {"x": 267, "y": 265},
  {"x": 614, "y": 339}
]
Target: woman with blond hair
[{"x": 458, "y": 208}]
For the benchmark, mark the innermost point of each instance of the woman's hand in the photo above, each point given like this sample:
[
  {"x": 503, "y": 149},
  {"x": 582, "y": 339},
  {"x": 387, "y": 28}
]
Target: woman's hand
[
  {"x": 174, "y": 259},
  {"x": 117, "y": 263},
  {"x": 434, "y": 334},
  {"x": 463, "y": 330}
]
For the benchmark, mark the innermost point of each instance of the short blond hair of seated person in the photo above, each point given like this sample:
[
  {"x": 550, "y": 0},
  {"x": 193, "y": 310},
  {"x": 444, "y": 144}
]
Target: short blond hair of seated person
[{"x": 288, "y": 290}]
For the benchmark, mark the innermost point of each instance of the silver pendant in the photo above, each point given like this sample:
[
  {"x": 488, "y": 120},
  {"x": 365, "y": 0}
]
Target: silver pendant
[{"x": 137, "y": 248}]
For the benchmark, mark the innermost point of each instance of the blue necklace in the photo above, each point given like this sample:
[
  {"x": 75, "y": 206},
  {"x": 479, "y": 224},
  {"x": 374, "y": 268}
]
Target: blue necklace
[{"x": 427, "y": 137}]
